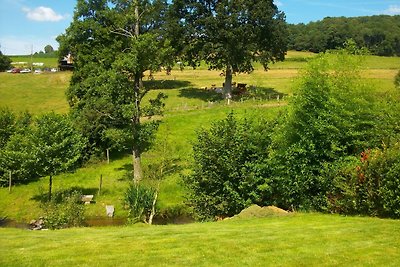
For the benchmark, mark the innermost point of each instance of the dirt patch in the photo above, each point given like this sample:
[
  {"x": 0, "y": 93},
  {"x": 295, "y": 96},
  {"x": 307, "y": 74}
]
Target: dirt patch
[{"x": 255, "y": 211}]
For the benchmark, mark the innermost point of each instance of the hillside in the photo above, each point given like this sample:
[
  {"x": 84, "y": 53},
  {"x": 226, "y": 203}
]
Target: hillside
[{"x": 380, "y": 34}]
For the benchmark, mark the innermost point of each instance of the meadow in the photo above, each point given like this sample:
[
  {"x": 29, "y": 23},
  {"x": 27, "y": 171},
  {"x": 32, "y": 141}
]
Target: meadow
[{"x": 299, "y": 239}]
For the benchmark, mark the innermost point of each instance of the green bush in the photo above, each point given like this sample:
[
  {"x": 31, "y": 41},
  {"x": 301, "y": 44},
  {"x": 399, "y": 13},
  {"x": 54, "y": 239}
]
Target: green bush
[
  {"x": 5, "y": 62},
  {"x": 332, "y": 115},
  {"x": 369, "y": 185},
  {"x": 230, "y": 170},
  {"x": 64, "y": 210},
  {"x": 139, "y": 201}
]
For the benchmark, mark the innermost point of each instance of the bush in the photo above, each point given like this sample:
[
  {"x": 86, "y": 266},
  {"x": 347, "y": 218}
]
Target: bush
[
  {"x": 332, "y": 115},
  {"x": 64, "y": 210},
  {"x": 368, "y": 186},
  {"x": 5, "y": 62},
  {"x": 229, "y": 168},
  {"x": 139, "y": 201}
]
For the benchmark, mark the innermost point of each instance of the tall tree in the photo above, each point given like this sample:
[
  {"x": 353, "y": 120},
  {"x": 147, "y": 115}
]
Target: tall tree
[
  {"x": 231, "y": 35},
  {"x": 113, "y": 43},
  {"x": 5, "y": 62},
  {"x": 57, "y": 146},
  {"x": 48, "y": 49}
]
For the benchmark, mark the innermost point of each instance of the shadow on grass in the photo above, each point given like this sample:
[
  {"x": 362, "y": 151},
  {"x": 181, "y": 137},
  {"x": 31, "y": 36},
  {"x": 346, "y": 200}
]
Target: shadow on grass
[
  {"x": 128, "y": 172},
  {"x": 59, "y": 195},
  {"x": 260, "y": 93},
  {"x": 201, "y": 94},
  {"x": 165, "y": 84}
]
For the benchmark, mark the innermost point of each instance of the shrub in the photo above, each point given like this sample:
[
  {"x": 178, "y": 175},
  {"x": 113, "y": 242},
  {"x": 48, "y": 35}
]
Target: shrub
[
  {"x": 368, "y": 186},
  {"x": 64, "y": 210},
  {"x": 332, "y": 115},
  {"x": 5, "y": 62},
  {"x": 229, "y": 168}
]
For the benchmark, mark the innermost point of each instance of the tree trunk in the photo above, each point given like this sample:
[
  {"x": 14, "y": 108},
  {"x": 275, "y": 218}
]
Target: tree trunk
[
  {"x": 228, "y": 84},
  {"x": 50, "y": 186},
  {"x": 137, "y": 166},
  {"x": 153, "y": 208},
  {"x": 137, "y": 18}
]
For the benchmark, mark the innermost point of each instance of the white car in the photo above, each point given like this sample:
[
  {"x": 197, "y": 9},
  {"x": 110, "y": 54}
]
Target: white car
[
  {"x": 25, "y": 71},
  {"x": 53, "y": 70},
  {"x": 38, "y": 71}
]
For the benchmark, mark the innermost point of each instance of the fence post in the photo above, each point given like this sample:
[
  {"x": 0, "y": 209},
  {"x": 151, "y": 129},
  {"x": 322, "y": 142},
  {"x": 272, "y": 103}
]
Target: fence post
[
  {"x": 101, "y": 183},
  {"x": 9, "y": 182}
]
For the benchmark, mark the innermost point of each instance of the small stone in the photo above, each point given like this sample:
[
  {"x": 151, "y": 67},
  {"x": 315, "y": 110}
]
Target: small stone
[{"x": 110, "y": 210}]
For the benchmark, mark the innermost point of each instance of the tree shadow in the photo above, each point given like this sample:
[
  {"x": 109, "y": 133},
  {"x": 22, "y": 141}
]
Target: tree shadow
[
  {"x": 260, "y": 93},
  {"x": 165, "y": 84},
  {"x": 59, "y": 195},
  {"x": 128, "y": 172},
  {"x": 201, "y": 94}
]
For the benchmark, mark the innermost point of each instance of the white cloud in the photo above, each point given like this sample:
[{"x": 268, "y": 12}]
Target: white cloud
[
  {"x": 43, "y": 14},
  {"x": 278, "y": 3},
  {"x": 393, "y": 10}
]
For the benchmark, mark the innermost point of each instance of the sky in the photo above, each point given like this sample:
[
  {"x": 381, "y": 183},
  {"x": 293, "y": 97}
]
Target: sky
[{"x": 30, "y": 25}]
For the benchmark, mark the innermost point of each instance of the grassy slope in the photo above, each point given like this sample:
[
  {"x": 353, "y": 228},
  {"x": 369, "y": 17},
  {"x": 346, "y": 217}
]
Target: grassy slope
[
  {"x": 298, "y": 240},
  {"x": 188, "y": 108}
]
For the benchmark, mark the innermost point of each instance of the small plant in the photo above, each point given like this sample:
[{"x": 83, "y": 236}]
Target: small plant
[
  {"x": 64, "y": 210},
  {"x": 139, "y": 201}
]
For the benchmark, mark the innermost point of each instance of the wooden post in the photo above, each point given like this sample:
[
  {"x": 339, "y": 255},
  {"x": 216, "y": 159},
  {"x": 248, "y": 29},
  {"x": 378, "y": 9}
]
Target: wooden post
[
  {"x": 50, "y": 186},
  {"x": 108, "y": 156},
  {"x": 9, "y": 183},
  {"x": 101, "y": 183}
]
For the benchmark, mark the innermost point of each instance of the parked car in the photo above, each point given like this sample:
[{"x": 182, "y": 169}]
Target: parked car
[
  {"x": 25, "y": 71},
  {"x": 14, "y": 70},
  {"x": 53, "y": 70},
  {"x": 38, "y": 71}
]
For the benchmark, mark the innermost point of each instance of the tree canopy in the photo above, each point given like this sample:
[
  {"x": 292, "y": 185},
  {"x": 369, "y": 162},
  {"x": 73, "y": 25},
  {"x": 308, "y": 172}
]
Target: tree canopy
[
  {"x": 113, "y": 43},
  {"x": 230, "y": 35}
]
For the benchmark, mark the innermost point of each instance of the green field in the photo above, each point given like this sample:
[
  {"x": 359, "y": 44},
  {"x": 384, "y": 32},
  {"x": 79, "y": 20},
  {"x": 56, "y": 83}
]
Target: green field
[
  {"x": 295, "y": 240},
  {"x": 48, "y": 61}
]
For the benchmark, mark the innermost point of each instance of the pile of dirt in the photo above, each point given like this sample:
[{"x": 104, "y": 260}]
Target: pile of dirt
[{"x": 255, "y": 211}]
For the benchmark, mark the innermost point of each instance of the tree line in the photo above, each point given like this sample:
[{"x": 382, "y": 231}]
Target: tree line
[{"x": 380, "y": 34}]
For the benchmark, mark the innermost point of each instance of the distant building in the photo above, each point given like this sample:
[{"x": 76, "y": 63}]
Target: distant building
[{"x": 67, "y": 63}]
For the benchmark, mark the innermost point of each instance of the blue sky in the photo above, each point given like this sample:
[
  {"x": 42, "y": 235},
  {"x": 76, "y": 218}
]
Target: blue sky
[{"x": 35, "y": 23}]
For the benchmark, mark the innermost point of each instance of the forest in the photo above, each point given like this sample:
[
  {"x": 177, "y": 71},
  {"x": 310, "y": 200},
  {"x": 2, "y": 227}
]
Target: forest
[{"x": 380, "y": 34}]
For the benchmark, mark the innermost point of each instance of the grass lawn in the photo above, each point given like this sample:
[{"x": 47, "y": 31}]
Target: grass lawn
[
  {"x": 296, "y": 240},
  {"x": 36, "y": 93}
]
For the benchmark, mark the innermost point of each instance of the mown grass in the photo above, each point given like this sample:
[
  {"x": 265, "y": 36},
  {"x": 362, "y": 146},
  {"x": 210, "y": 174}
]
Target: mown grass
[
  {"x": 189, "y": 106},
  {"x": 36, "y": 93},
  {"x": 297, "y": 240},
  {"x": 48, "y": 61}
]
